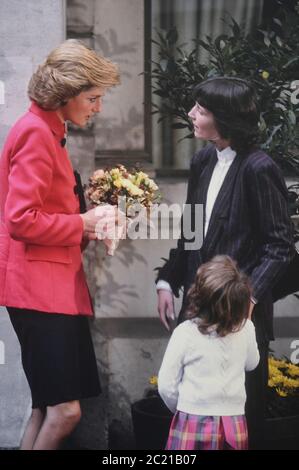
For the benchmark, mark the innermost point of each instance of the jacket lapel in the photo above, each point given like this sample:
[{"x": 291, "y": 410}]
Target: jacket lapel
[
  {"x": 222, "y": 206},
  {"x": 199, "y": 196},
  {"x": 204, "y": 178}
]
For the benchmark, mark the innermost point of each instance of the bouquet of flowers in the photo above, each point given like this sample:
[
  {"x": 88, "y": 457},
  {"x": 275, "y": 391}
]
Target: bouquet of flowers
[{"x": 129, "y": 191}]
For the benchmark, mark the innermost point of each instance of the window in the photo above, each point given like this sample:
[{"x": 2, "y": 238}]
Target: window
[{"x": 193, "y": 19}]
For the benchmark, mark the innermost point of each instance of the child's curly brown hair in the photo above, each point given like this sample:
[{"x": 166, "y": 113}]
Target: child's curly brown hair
[{"x": 219, "y": 297}]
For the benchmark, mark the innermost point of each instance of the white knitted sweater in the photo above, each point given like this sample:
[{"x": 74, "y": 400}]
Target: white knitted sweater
[{"x": 205, "y": 374}]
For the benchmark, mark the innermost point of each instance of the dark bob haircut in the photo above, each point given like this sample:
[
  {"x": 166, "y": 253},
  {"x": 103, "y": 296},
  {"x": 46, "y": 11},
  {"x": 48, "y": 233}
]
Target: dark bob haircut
[{"x": 232, "y": 101}]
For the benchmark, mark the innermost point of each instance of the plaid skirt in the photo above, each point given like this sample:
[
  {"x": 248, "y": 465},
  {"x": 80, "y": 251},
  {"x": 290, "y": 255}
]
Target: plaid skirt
[{"x": 193, "y": 432}]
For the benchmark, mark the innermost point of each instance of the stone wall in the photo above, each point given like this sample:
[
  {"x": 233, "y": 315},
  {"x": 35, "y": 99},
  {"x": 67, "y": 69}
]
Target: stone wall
[{"x": 22, "y": 47}]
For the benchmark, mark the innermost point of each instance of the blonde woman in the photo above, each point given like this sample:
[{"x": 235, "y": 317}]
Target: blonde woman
[{"x": 42, "y": 282}]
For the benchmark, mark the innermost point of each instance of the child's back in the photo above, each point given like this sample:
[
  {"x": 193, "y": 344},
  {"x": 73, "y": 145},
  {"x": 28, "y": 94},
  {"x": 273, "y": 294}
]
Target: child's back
[{"x": 212, "y": 381}]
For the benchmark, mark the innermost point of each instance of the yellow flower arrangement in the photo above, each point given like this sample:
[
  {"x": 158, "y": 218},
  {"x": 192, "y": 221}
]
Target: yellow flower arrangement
[
  {"x": 283, "y": 377},
  {"x": 283, "y": 385}
]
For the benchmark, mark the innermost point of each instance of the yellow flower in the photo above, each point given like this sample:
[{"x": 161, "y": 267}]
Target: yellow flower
[
  {"x": 153, "y": 380},
  {"x": 274, "y": 381},
  {"x": 273, "y": 371},
  {"x": 131, "y": 188},
  {"x": 271, "y": 383},
  {"x": 265, "y": 74},
  {"x": 290, "y": 383},
  {"x": 115, "y": 173},
  {"x": 281, "y": 393},
  {"x": 139, "y": 178},
  {"x": 293, "y": 370},
  {"x": 117, "y": 183},
  {"x": 284, "y": 377},
  {"x": 276, "y": 362}
]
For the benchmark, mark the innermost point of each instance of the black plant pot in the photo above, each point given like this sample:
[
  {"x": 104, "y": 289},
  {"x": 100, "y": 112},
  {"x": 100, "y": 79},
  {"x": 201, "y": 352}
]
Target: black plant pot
[
  {"x": 151, "y": 421},
  {"x": 282, "y": 433}
]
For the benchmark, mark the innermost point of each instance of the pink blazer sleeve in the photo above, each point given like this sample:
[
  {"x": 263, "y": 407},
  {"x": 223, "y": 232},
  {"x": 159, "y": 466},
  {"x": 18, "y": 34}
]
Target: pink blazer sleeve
[{"x": 30, "y": 180}]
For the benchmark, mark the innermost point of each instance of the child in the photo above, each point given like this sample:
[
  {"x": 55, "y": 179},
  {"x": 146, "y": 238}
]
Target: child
[{"x": 202, "y": 377}]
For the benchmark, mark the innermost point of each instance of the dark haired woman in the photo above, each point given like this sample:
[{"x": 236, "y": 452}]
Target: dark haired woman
[{"x": 245, "y": 216}]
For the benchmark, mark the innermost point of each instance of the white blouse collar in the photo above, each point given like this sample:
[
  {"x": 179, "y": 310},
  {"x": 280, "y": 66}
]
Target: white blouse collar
[{"x": 226, "y": 155}]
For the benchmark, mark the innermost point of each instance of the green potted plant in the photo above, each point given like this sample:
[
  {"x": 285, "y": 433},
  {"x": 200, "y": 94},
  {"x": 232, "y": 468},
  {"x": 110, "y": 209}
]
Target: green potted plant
[
  {"x": 283, "y": 387},
  {"x": 151, "y": 419},
  {"x": 268, "y": 57},
  {"x": 282, "y": 422}
]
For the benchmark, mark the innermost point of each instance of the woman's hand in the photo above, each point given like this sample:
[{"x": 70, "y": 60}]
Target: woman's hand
[
  {"x": 99, "y": 219},
  {"x": 166, "y": 306}
]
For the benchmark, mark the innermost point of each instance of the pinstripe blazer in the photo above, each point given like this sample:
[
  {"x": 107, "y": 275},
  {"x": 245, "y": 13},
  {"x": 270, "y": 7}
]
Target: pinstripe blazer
[{"x": 249, "y": 222}]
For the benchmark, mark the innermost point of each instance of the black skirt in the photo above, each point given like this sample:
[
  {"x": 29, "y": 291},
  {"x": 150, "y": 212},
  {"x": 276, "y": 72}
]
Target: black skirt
[{"x": 57, "y": 356}]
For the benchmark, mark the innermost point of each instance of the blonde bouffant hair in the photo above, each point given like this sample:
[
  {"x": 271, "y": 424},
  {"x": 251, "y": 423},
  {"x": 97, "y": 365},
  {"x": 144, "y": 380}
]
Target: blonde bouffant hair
[{"x": 68, "y": 70}]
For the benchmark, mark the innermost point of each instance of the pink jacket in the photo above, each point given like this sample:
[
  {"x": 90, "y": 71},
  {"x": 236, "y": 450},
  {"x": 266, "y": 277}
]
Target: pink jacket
[{"x": 40, "y": 229}]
